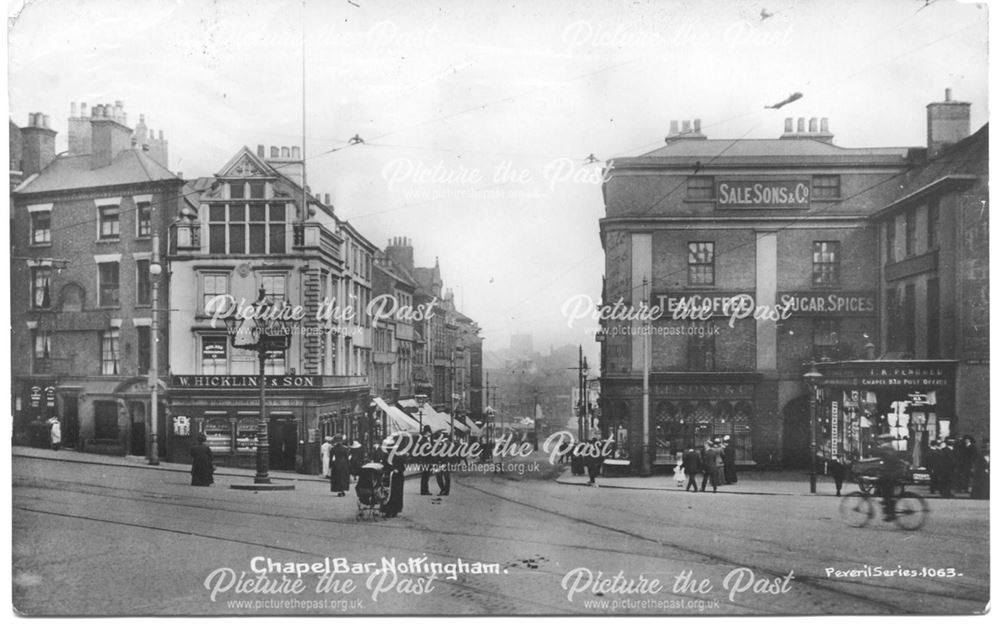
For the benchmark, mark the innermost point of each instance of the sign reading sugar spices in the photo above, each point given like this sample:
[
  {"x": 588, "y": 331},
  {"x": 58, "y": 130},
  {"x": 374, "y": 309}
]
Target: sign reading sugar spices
[{"x": 751, "y": 194}]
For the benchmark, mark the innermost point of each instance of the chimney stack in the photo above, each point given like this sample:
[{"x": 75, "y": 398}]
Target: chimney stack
[
  {"x": 38, "y": 144},
  {"x": 947, "y": 123},
  {"x": 78, "y": 130},
  {"x": 260, "y": 151},
  {"x": 815, "y": 129},
  {"x": 400, "y": 252},
  {"x": 109, "y": 135}
]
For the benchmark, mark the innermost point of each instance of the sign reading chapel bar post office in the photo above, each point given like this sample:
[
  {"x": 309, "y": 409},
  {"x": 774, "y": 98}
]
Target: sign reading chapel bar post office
[{"x": 762, "y": 194}]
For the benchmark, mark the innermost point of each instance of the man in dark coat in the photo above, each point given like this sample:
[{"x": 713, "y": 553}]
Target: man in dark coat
[
  {"x": 692, "y": 465},
  {"x": 946, "y": 468},
  {"x": 729, "y": 460},
  {"x": 593, "y": 460},
  {"x": 340, "y": 467},
  {"x": 713, "y": 465},
  {"x": 932, "y": 463},
  {"x": 981, "y": 475},
  {"x": 201, "y": 463},
  {"x": 838, "y": 469}
]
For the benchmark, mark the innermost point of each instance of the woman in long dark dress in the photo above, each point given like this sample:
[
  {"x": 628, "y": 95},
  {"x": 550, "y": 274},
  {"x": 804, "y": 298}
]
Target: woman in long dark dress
[
  {"x": 394, "y": 472},
  {"x": 201, "y": 463},
  {"x": 340, "y": 469}
]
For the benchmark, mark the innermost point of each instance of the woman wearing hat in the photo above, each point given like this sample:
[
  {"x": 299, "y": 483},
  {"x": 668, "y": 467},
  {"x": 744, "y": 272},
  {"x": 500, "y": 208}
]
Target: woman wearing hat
[
  {"x": 201, "y": 463},
  {"x": 340, "y": 469},
  {"x": 394, "y": 471},
  {"x": 324, "y": 455}
]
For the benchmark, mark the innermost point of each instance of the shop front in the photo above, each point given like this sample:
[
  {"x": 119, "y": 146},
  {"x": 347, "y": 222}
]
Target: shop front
[
  {"x": 859, "y": 400},
  {"x": 299, "y": 411},
  {"x": 685, "y": 410}
]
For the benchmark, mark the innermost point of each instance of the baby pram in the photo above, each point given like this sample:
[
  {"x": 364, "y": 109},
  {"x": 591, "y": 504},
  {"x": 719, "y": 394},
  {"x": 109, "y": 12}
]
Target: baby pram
[{"x": 371, "y": 491}]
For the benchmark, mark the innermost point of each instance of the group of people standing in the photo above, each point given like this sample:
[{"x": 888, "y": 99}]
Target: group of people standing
[
  {"x": 956, "y": 465},
  {"x": 340, "y": 461},
  {"x": 715, "y": 461}
]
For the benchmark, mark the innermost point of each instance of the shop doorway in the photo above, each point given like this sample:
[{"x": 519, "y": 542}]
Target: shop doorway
[
  {"x": 70, "y": 422},
  {"x": 282, "y": 437},
  {"x": 796, "y": 433},
  {"x": 137, "y": 416}
]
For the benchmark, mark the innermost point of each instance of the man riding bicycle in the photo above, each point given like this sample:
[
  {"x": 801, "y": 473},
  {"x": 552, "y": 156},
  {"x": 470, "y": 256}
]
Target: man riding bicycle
[{"x": 891, "y": 473}]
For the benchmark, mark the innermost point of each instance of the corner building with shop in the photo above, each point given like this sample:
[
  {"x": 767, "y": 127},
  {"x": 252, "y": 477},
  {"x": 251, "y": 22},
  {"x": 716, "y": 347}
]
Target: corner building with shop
[{"x": 763, "y": 257}]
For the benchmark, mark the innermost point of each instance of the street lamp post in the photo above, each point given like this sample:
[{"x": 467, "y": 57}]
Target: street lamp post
[
  {"x": 253, "y": 335},
  {"x": 812, "y": 378},
  {"x": 155, "y": 270}
]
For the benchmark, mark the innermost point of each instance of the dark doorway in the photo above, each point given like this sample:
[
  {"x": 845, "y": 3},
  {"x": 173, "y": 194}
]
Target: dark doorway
[
  {"x": 282, "y": 437},
  {"x": 70, "y": 422},
  {"x": 796, "y": 433},
  {"x": 137, "y": 416}
]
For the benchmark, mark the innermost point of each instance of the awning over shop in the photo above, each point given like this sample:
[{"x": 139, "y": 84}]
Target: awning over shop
[
  {"x": 439, "y": 422},
  {"x": 397, "y": 419},
  {"x": 474, "y": 429}
]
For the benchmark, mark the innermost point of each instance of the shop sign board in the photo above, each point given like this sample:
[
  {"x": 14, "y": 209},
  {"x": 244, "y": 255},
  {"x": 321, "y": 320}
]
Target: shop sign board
[
  {"x": 735, "y": 194},
  {"x": 898, "y": 374},
  {"x": 244, "y": 381},
  {"x": 825, "y": 304}
]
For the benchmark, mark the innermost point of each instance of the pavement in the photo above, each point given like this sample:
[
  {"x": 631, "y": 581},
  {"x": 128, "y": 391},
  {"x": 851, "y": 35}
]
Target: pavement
[
  {"x": 141, "y": 462},
  {"x": 761, "y": 483},
  {"x": 767, "y": 483}
]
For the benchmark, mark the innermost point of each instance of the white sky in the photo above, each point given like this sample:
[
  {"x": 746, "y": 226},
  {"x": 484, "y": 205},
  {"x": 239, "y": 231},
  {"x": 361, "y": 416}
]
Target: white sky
[{"x": 466, "y": 86}]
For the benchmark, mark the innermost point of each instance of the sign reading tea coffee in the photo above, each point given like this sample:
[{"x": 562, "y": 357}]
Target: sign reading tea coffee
[{"x": 749, "y": 194}]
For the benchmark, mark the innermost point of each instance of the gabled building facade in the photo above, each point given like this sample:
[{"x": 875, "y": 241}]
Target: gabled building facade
[{"x": 255, "y": 229}]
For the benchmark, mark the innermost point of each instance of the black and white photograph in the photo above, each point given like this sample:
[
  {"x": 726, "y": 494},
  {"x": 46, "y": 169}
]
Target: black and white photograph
[{"x": 581, "y": 308}]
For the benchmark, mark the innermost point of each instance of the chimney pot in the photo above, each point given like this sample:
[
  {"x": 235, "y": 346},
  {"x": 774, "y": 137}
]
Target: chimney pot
[
  {"x": 673, "y": 128},
  {"x": 72, "y": 109},
  {"x": 295, "y": 152},
  {"x": 326, "y": 198},
  {"x": 812, "y": 125},
  {"x": 285, "y": 152},
  {"x": 260, "y": 151},
  {"x": 802, "y": 125},
  {"x": 947, "y": 94},
  {"x": 697, "y": 126},
  {"x": 274, "y": 152},
  {"x": 83, "y": 109},
  {"x": 824, "y": 125},
  {"x": 687, "y": 127},
  {"x": 142, "y": 118},
  {"x": 789, "y": 125},
  {"x": 161, "y": 134}
]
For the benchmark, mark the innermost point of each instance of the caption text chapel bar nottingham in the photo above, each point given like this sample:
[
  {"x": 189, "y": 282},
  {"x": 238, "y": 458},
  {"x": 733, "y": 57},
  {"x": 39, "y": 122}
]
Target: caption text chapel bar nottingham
[{"x": 766, "y": 255}]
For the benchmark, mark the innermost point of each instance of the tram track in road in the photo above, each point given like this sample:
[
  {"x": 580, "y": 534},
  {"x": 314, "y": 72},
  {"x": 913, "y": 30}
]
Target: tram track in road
[
  {"x": 212, "y": 504},
  {"x": 157, "y": 499},
  {"x": 460, "y": 587},
  {"x": 815, "y": 581}
]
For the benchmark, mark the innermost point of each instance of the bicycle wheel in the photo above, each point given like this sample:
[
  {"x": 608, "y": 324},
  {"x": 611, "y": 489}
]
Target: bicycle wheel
[
  {"x": 911, "y": 511},
  {"x": 856, "y": 509}
]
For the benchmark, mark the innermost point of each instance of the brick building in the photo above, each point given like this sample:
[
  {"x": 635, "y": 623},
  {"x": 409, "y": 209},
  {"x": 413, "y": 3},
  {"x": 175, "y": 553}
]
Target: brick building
[
  {"x": 707, "y": 229},
  {"x": 82, "y": 232}
]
